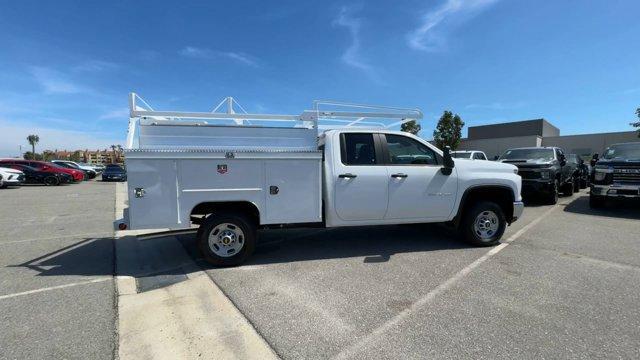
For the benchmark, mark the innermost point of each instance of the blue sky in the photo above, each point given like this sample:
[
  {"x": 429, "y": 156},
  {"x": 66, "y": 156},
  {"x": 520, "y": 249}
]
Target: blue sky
[{"x": 66, "y": 66}]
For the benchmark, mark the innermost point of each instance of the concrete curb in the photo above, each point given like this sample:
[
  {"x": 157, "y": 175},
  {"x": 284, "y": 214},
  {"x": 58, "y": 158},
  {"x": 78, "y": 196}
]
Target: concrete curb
[{"x": 189, "y": 319}]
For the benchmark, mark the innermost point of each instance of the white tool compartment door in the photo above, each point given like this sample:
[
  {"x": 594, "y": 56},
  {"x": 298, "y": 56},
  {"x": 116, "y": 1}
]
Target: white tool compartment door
[
  {"x": 156, "y": 206},
  {"x": 293, "y": 191}
]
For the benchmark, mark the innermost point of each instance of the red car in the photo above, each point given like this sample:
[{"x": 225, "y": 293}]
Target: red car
[{"x": 47, "y": 167}]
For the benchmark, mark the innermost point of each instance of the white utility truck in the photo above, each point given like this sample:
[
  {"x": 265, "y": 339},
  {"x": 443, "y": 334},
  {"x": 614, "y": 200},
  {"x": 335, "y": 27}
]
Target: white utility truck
[{"x": 232, "y": 173}]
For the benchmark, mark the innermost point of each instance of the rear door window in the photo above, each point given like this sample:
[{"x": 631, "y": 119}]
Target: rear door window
[{"x": 358, "y": 149}]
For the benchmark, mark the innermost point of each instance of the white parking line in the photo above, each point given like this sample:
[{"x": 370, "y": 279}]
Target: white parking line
[
  {"x": 93, "y": 281},
  {"x": 449, "y": 283}
]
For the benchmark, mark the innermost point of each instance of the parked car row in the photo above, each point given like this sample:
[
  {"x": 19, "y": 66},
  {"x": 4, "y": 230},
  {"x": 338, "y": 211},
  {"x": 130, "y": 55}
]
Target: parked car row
[
  {"x": 14, "y": 172},
  {"x": 547, "y": 171}
]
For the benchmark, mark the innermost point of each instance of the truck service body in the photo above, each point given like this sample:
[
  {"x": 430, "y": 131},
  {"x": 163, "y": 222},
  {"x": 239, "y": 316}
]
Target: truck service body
[{"x": 234, "y": 178}]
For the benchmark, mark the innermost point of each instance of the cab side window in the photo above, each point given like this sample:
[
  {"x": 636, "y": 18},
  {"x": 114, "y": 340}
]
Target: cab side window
[
  {"x": 358, "y": 149},
  {"x": 407, "y": 151}
]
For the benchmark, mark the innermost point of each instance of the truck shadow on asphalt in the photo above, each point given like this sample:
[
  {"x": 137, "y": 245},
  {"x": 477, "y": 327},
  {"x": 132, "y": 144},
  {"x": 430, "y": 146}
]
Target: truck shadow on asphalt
[
  {"x": 376, "y": 244},
  {"x": 87, "y": 257},
  {"x": 162, "y": 260},
  {"x": 615, "y": 208}
]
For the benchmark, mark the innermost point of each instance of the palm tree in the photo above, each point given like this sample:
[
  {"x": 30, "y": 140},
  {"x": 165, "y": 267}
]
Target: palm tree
[
  {"x": 33, "y": 140},
  {"x": 119, "y": 153},
  {"x": 113, "y": 149}
]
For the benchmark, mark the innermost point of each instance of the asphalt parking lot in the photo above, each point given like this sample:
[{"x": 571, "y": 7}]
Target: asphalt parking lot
[
  {"x": 564, "y": 284},
  {"x": 566, "y": 287},
  {"x": 57, "y": 296}
]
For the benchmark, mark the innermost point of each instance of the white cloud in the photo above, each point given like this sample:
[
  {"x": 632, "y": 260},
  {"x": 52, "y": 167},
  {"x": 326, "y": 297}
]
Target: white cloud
[
  {"x": 429, "y": 35},
  {"x": 54, "y": 82},
  {"x": 351, "y": 56},
  {"x": 14, "y": 135},
  {"x": 204, "y": 53},
  {"x": 118, "y": 114}
]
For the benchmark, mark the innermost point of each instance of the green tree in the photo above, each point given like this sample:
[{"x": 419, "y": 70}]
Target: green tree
[
  {"x": 33, "y": 140},
  {"x": 637, "y": 123},
  {"x": 48, "y": 155},
  {"x": 448, "y": 132},
  {"x": 412, "y": 127},
  {"x": 75, "y": 156},
  {"x": 30, "y": 156}
]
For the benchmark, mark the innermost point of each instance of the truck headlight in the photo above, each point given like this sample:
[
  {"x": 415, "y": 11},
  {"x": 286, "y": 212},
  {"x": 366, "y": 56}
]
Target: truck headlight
[
  {"x": 600, "y": 172},
  {"x": 544, "y": 174}
]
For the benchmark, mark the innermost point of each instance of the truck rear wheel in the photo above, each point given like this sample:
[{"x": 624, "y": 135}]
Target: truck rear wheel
[
  {"x": 226, "y": 239},
  {"x": 483, "y": 224}
]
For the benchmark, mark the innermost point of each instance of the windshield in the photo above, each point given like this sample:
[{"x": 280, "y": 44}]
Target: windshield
[
  {"x": 528, "y": 154},
  {"x": 462, "y": 155},
  {"x": 626, "y": 151},
  {"x": 114, "y": 168}
]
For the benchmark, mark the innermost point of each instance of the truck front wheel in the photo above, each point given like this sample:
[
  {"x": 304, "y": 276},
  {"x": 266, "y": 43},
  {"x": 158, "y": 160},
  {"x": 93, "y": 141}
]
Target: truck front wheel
[
  {"x": 483, "y": 224},
  {"x": 595, "y": 201},
  {"x": 226, "y": 239}
]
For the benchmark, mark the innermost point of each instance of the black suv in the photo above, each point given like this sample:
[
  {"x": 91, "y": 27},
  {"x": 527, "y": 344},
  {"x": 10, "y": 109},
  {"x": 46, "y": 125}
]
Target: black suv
[
  {"x": 616, "y": 174},
  {"x": 581, "y": 172},
  {"x": 544, "y": 170}
]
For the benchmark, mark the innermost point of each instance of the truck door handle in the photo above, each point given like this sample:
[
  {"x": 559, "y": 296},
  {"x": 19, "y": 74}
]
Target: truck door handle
[
  {"x": 400, "y": 175},
  {"x": 347, "y": 176}
]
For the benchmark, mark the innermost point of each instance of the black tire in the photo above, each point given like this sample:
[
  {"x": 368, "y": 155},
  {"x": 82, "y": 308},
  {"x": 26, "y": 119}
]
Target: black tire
[
  {"x": 51, "y": 181},
  {"x": 596, "y": 202},
  {"x": 576, "y": 185},
  {"x": 583, "y": 184},
  {"x": 248, "y": 239},
  {"x": 552, "y": 198},
  {"x": 568, "y": 189},
  {"x": 468, "y": 230}
]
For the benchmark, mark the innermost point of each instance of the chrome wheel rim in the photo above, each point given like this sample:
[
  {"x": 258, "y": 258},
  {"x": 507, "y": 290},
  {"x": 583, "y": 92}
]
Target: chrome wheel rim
[
  {"x": 486, "y": 224},
  {"x": 226, "y": 240}
]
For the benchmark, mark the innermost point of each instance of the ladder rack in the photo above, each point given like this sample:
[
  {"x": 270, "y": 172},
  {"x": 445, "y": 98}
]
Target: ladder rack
[{"x": 325, "y": 115}]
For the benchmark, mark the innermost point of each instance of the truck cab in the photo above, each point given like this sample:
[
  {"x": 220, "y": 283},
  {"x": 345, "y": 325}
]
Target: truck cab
[{"x": 240, "y": 178}]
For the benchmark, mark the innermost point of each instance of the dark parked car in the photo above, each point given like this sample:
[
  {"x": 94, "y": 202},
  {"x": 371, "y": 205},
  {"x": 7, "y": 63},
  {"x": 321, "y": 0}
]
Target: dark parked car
[
  {"x": 114, "y": 173},
  {"x": 35, "y": 176},
  {"x": 616, "y": 174},
  {"x": 88, "y": 174},
  {"x": 544, "y": 170},
  {"x": 585, "y": 173},
  {"x": 52, "y": 168},
  {"x": 575, "y": 161}
]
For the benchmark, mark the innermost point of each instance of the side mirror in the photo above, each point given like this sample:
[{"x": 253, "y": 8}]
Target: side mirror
[
  {"x": 495, "y": 158},
  {"x": 594, "y": 159},
  {"x": 449, "y": 164},
  {"x": 563, "y": 160}
]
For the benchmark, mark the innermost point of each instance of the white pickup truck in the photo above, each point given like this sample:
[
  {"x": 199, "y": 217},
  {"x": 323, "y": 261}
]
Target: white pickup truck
[{"x": 186, "y": 168}]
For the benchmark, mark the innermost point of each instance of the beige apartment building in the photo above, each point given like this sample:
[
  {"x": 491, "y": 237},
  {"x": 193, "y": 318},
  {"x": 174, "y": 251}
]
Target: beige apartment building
[
  {"x": 89, "y": 156},
  {"x": 495, "y": 139}
]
